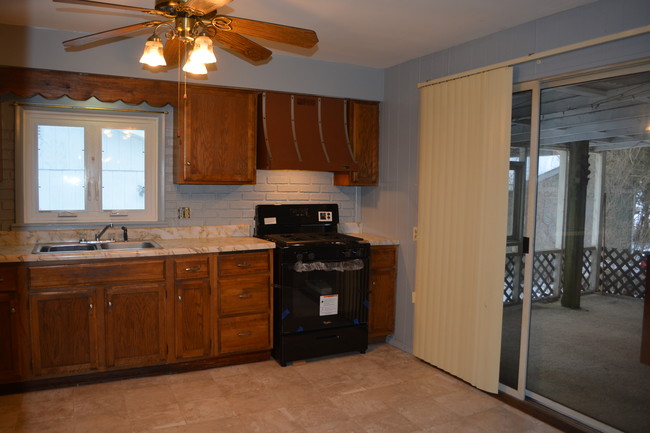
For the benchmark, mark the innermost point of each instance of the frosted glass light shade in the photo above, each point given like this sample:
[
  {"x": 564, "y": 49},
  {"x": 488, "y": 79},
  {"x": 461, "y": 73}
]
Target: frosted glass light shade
[
  {"x": 196, "y": 68},
  {"x": 202, "y": 51},
  {"x": 153, "y": 53}
]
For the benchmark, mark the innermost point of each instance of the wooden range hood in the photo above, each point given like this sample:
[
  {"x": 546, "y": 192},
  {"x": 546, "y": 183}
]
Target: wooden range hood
[{"x": 303, "y": 132}]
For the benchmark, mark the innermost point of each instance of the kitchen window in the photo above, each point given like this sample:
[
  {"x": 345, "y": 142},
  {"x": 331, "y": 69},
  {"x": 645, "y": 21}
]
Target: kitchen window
[{"x": 81, "y": 165}]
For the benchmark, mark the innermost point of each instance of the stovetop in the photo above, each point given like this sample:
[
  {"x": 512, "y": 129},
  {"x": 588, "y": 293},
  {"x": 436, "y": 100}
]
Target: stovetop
[{"x": 301, "y": 239}]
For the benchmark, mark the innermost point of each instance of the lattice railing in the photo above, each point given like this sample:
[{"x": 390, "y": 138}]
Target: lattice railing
[
  {"x": 547, "y": 275},
  {"x": 622, "y": 272}
]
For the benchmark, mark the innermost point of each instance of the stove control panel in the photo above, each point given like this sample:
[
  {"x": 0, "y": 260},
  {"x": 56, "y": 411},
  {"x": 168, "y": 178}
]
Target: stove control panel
[{"x": 324, "y": 216}]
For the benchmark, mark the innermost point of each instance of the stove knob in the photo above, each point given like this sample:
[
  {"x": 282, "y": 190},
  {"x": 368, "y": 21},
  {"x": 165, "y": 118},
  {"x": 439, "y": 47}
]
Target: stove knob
[
  {"x": 347, "y": 253},
  {"x": 299, "y": 257},
  {"x": 311, "y": 256}
]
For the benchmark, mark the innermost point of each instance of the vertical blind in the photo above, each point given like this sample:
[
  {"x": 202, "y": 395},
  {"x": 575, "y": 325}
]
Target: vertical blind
[{"x": 462, "y": 218}]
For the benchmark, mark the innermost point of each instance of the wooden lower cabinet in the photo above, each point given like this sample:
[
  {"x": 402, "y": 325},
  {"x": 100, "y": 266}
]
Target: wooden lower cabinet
[
  {"x": 244, "y": 287},
  {"x": 193, "y": 305},
  {"x": 89, "y": 317},
  {"x": 85, "y": 318},
  {"x": 193, "y": 321},
  {"x": 9, "y": 325},
  {"x": 383, "y": 273},
  {"x": 134, "y": 320},
  {"x": 63, "y": 331}
]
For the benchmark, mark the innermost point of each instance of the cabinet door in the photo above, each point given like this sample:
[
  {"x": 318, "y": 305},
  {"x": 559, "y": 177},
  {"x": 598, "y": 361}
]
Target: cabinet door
[
  {"x": 135, "y": 325},
  {"x": 193, "y": 319},
  {"x": 364, "y": 137},
  {"x": 8, "y": 337},
  {"x": 217, "y": 131},
  {"x": 383, "y": 273},
  {"x": 63, "y": 331},
  {"x": 381, "y": 315}
]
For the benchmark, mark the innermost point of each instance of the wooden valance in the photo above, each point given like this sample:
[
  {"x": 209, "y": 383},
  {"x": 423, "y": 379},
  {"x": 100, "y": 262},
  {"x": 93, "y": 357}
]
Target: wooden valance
[{"x": 26, "y": 83}]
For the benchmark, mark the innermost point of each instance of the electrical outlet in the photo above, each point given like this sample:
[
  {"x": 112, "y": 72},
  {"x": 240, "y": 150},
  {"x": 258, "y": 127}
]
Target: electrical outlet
[
  {"x": 183, "y": 213},
  {"x": 415, "y": 233}
]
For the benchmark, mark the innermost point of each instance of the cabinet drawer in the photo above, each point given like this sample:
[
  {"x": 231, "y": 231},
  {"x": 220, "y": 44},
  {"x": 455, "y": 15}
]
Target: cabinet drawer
[
  {"x": 382, "y": 256},
  {"x": 7, "y": 278},
  {"x": 244, "y": 333},
  {"x": 191, "y": 268},
  {"x": 243, "y": 263},
  {"x": 96, "y": 273},
  {"x": 246, "y": 294}
]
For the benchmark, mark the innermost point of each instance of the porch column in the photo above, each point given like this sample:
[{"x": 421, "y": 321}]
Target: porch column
[{"x": 574, "y": 230}]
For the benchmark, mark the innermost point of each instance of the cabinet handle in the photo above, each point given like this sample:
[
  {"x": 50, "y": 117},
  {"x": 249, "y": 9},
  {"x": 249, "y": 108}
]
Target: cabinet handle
[
  {"x": 180, "y": 298},
  {"x": 243, "y": 265},
  {"x": 193, "y": 269},
  {"x": 245, "y": 334},
  {"x": 90, "y": 306},
  {"x": 12, "y": 310},
  {"x": 245, "y": 295},
  {"x": 188, "y": 163},
  {"x": 110, "y": 304}
]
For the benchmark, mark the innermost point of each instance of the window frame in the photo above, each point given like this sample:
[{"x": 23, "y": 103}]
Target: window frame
[{"x": 28, "y": 116}]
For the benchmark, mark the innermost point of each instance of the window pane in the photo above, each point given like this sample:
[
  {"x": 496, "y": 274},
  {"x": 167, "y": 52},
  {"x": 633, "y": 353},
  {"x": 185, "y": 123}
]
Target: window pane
[
  {"x": 60, "y": 168},
  {"x": 123, "y": 169}
]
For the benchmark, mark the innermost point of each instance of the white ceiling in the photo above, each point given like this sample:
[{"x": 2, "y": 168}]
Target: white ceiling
[{"x": 374, "y": 33}]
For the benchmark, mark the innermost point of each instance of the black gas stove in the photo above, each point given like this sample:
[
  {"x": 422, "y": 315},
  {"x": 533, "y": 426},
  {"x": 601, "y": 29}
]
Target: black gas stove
[{"x": 320, "y": 282}]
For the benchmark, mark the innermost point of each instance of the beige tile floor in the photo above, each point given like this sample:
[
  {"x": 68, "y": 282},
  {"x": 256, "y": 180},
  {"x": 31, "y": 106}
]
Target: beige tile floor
[{"x": 385, "y": 390}]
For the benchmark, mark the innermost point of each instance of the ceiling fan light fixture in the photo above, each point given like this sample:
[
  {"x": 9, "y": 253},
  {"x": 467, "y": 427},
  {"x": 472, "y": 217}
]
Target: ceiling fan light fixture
[
  {"x": 202, "y": 51},
  {"x": 153, "y": 52},
  {"x": 196, "y": 68}
]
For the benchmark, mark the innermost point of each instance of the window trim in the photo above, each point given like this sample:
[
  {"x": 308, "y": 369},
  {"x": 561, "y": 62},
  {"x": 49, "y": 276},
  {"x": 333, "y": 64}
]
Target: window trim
[{"x": 26, "y": 163}]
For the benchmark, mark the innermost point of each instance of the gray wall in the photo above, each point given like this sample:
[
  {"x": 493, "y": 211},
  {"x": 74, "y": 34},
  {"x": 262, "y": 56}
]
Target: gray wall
[
  {"x": 391, "y": 209},
  {"x": 40, "y": 48}
]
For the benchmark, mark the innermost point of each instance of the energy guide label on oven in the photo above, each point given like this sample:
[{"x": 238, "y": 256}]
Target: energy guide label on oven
[{"x": 329, "y": 305}]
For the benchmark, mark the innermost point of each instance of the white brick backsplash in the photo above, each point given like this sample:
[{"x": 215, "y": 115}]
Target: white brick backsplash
[
  {"x": 289, "y": 188},
  {"x": 261, "y": 187}
]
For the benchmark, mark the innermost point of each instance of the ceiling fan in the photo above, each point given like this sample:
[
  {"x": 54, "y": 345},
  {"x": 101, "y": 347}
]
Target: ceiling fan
[{"x": 191, "y": 24}]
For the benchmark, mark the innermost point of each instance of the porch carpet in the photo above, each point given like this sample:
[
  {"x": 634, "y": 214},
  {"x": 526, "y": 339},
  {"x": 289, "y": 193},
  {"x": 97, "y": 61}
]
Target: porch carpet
[{"x": 586, "y": 359}]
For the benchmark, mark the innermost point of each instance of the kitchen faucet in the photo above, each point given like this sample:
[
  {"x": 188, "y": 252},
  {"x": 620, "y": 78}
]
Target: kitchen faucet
[{"x": 99, "y": 235}]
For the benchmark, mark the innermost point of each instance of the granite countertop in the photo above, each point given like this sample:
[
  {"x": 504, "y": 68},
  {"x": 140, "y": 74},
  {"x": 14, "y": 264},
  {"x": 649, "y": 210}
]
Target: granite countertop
[
  {"x": 176, "y": 241},
  {"x": 170, "y": 247}
]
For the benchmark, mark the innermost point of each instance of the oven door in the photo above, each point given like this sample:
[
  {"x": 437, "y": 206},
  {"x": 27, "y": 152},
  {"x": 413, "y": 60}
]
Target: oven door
[{"x": 321, "y": 294}]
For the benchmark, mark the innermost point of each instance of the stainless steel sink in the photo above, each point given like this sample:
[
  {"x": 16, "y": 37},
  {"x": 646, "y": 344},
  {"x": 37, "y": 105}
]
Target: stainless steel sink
[
  {"x": 129, "y": 245},
  {"x": 73, "y": 247},
  {"x": 63, "y": 248}
]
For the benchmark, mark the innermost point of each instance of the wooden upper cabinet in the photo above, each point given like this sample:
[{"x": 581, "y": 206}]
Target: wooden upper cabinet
[
  {"x": 363, "y": 127},
  {"x": 216, "y": 136}
]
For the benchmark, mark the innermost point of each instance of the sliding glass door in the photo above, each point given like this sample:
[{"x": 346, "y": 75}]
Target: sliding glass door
[{"x": 579, "y": 294}]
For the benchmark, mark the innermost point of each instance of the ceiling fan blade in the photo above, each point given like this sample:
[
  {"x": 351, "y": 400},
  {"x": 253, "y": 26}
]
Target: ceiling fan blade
[
  {"x": 242, "y": 45},
  {"x": 88, "y": 39},
  {"x": 171, "y": 51},
  {"x": 113, "y": 6},
  {"x": 202, "y": 7},
  {"x": 268, "y": 31}
]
